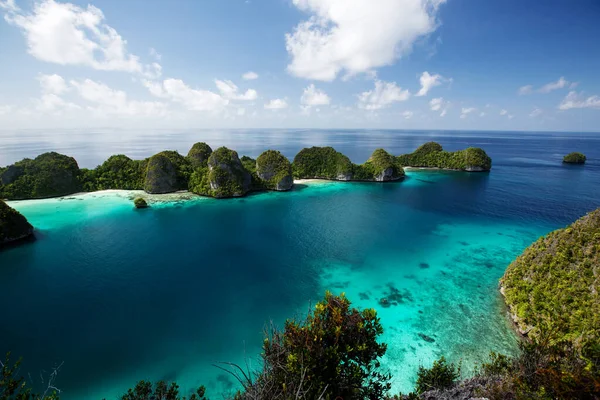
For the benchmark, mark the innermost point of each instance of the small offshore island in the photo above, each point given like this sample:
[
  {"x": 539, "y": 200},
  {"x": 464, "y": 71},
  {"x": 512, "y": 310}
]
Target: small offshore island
[
  {"x": 574, "y": 158},
  {"x": 220, "y": 173}
]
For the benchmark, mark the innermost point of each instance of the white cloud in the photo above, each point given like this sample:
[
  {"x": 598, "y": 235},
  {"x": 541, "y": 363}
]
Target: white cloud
[
  {"x": 312, "y": 96},
  {"x": 51, "y": 103},
  {"x": 54, "y": 84},
  {"x": 276, "y": 104},
  {"x": 9, "y": 5},
  {"x": 154, "y": 53},
  {"x": 249, "y": 76},
  {"x": 466, "y": 111},
  {"x": 66, "y": 34},
  {"x": 356, "y": 36},
  {"x": 559, "y": 84},
  {"x": 192, "y": 99},
  {"x": 503, "y": 112},
  {"x": 428, "y": 82},
  {"x": 438, "y": 104},
  {"x": 524, "y": 90},
  {"x": 536, "y": 112},
  {"x": 384, "y": 94},
  {"x": 5, "y": 109},
  {"x": 407, "y": 114},
  {"x": 108, "y": 101},
  {"x": 230, "y": 91},
  {"x": 578, "y": 100}
]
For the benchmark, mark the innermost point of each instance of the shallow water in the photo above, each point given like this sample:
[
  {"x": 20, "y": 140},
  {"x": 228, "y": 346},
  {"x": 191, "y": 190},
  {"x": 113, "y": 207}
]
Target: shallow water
[{"x": 120, "y": 295}]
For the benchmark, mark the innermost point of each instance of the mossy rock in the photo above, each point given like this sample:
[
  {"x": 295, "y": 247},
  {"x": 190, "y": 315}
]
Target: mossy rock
[
  {"x": 432, "y": 155},
  {"x": 275, "y": 170},
  {"x": 322, "y": 163},
  {"x": 13, "y": 225},
  {"x": 167, "y": 172},
  {"x": 48, "y": 175},
  {"x": 140, "y": 203},
  {"x": 224, "y": 176},
  {"x": 198, "y": 154},
  {"x": 574, "y": 158},
  {"x": 380, "y": 167},
  {"x": 553, "y": 288}
]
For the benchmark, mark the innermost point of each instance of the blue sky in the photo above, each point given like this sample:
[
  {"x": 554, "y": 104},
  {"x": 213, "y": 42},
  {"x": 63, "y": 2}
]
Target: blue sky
[{"x": 405, "y": 64}]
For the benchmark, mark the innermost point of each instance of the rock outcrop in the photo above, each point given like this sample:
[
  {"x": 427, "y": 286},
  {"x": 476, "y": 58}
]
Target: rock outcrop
[
  {"x": 322, "y": 163},
  {"x": 274, "y": 170},
  {"x": 432, "y": 155},
  {"x": 199, "y": 153},
  {"x": 13, "y": 225},
  {"x": 48, "y": 175},
  {"x": 166, "y": 172},
  {"x": 224, "y": 176}
]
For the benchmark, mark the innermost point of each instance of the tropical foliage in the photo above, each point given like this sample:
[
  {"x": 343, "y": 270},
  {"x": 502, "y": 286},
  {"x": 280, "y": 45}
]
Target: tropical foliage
[
  {"x": 48, "y": 175},
  {"x": 574, "y": 158},
  {"x": 224, "y": 176},
  {"x": 118, "y": 172},
  {"x": 431, "y": 155},
  {"x": 273, "y": 168},
  {"x": 380, "y": 166},
  {"x": 322, "y": 163}
]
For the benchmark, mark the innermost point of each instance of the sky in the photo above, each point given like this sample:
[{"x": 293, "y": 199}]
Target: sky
[{"x": 381, "y": 64}]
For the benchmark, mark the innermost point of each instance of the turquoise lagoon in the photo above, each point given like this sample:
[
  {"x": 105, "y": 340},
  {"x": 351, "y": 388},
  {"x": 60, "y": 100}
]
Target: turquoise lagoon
[{"x": 117, "y": 294}]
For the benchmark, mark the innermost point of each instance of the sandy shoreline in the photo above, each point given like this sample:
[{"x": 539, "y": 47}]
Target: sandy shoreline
[{"x": 182, "y": 195}]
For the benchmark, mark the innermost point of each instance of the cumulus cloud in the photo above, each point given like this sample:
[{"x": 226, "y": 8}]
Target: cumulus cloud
[
  {"x": 249, "y": 76},
  {"x": 311, "y": 96},
  {"x": 407, "y": 114},
  {"x": 9, "y": 5},
  {"x": 428, "y": 82},
  {"x": 524, "y": 90},
  {"x": 54, "y": 84},
  {"x": 439, "y": 104},
  {"x": 383, "y": 95},
  {"x": 276, "y": 104},
  {"x": 107, "y": 101},
  {"x": 356, "y": 36},
  {"x": 559, "y": 84},
  {"x": 66, "y": 34},
  {"x": 466, "y": 111},
  {"x": 192, "y": 99},
  {"x": 547, "y": 88},
  {"x": 578, "y": 100},
  {"x": 230, "y": 91}
]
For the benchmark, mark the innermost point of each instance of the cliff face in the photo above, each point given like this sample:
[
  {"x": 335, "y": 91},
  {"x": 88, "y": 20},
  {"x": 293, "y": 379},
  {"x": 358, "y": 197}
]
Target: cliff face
[
  {"x": 48, "y": 175},
  {"x": 13, "y": 225},
  {"x": 224, "y": 176},
  {"x": 167, "y": 172},
  {"x": 553, "y": 287},
  {"x": 274, "y": 170}
]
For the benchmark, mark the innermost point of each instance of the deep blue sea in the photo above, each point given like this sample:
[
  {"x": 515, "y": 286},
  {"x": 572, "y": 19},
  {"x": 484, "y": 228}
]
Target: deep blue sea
[{"x": 116, "y": 295}]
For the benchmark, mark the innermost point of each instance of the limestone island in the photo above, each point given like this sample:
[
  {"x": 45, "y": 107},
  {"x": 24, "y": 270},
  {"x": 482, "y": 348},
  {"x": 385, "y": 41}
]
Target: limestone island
[
  {"x": 220, "y": 173},
  {"x": 552, "y": 288},
  {"x": 140, "y": 203},
  {"x": 13, "y": 225},
  {"x": 432, "y": 155},
  {"x": 574, "y": 158}
]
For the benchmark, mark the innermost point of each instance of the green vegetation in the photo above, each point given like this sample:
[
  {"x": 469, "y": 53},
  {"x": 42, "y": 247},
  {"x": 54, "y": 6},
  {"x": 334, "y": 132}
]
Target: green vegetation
[
  {"x": 13, "y": 225},
  {"x": 322, "y": 163},
  {"x": 225, "y": 176},
  {"x": 140, "y": 203},
  {"x": 381, "y": 166},
  {"x": 48, "y": 175},
  {"x": 118, "y": 172},
  {"x": 167, "y": 171},
  {"x": 161, "y": 391},
  {"x": 431, "y": 155},
  {"x": 274, "y": 170},
  {"x": 552, "y": 288},
  {"x": 198, "y": 154},
  {"x": 574, "y": 158},
  {"x": 442, "y": 375}
]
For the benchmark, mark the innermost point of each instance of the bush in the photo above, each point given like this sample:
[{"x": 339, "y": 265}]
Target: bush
[
  {"x": 574, "y": 158},
  {"x": 140, "y": 203},
  {"x": 442, "y": 375},
  {"x": 13, "y": 387},
  {"x": 333, "y": 353},
  {"x": 161, "y": 391}
]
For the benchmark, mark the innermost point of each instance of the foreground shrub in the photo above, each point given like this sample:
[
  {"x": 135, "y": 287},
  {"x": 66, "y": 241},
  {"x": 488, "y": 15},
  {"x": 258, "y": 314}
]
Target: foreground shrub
[
  {"x": 332, "y": 354},
  {"x": 442, "y": 375},
  {"x": 161, "y": 391}
]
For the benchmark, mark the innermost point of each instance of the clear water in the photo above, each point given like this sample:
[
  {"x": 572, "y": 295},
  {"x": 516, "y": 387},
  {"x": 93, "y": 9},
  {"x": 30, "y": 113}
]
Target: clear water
[{"x": 120, "y": 295}]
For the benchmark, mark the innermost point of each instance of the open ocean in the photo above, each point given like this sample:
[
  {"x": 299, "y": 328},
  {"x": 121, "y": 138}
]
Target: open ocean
[{"x": 117, "y": 295}]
